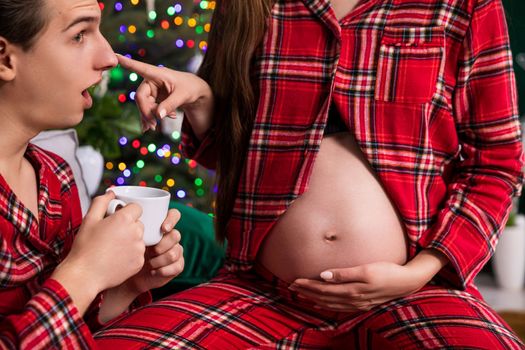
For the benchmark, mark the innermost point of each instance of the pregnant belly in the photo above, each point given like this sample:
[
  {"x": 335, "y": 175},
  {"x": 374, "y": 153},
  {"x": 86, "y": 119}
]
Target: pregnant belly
[{"x": 344, "y": 219}]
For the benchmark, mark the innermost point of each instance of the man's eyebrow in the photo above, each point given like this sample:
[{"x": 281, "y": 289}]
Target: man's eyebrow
[{"x": 88, "y": 19}]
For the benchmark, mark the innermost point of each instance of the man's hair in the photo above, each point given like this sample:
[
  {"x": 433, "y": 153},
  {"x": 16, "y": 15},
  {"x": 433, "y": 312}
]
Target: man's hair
[{"x": 22, "y": 20}]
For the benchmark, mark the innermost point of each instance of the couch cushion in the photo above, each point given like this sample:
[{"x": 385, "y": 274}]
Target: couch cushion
[{"x": 65, "y": 144}]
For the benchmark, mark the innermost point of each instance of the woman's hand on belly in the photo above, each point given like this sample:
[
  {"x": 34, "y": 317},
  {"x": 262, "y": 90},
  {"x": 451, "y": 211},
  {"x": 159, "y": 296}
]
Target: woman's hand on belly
[{"x": 360, "y": 288}]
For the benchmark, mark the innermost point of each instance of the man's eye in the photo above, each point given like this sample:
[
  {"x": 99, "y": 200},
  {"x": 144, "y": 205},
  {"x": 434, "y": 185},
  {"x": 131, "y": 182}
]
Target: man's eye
[{"x": 79, "y": 37}]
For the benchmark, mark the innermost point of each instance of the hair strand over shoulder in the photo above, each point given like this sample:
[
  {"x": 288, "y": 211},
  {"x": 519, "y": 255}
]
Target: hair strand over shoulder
[{"x": 238, "y": 27}]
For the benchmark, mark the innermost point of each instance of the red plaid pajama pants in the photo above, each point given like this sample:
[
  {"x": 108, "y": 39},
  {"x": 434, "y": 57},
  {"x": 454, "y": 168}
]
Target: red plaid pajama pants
[{"x": 250, "y": 312}]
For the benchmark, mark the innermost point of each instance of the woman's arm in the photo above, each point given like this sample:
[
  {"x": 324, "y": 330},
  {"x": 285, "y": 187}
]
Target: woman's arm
[
  {"x": 490, "y": 172},
  {"x": 163, "y": 91}
]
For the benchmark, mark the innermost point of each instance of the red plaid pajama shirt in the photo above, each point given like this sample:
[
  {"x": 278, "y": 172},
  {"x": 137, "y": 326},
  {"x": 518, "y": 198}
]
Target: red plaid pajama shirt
[
  {"x": 36, "y": 312},
  {"x": 427, "y": 89}
]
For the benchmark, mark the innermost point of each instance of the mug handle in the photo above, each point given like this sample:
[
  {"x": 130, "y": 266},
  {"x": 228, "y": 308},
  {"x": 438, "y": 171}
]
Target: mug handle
[{"x": 114, "y": 205}]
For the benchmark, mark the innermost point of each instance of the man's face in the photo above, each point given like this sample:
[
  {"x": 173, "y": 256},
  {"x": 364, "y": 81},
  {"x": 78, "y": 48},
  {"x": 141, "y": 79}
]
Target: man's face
[{"x": 67, "y": 58}]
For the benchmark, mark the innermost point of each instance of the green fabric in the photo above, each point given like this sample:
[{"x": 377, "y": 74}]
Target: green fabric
[{"x": 203, "y": 256}]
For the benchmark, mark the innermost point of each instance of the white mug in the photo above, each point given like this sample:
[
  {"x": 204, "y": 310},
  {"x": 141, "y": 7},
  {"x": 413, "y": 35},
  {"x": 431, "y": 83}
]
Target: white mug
[{"x": 154, "y": 203}]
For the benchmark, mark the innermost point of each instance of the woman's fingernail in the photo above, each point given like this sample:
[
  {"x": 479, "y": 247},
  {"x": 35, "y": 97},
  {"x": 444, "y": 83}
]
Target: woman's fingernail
[
  {"x": 327, "y": 275},
  {"x": 162, "y": 113}
]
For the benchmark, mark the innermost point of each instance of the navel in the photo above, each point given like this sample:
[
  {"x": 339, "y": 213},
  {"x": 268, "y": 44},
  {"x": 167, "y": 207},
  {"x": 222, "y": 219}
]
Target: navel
[{"x": 330, "y": 236}]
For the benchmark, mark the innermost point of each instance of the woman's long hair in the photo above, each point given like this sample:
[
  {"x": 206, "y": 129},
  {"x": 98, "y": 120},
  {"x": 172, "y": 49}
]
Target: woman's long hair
[{"x": 238, "y": 26}]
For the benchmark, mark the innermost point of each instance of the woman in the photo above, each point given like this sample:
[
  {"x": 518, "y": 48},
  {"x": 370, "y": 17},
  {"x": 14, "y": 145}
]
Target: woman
[
  {"x": 61, "y": 277},
  {"x": 364, "y": 175}
]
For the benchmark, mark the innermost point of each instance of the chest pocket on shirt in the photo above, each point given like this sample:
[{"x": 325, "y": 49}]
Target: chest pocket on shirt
[{"x": 409, "y": 63}]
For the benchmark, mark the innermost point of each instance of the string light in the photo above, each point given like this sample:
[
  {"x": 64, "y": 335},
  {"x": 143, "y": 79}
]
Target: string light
[
  {"x": 123, "y": 141},
  {"x": 178, "y": 21}
]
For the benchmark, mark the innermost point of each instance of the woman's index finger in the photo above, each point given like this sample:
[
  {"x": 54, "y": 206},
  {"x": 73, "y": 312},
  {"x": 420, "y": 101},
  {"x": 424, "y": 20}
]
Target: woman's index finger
[{"x": 145, "y": 70}]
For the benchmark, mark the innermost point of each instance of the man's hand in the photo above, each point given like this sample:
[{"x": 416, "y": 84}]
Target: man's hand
[
  {"x": 105, "y": 253},
  {"x": 164, "y": 261}
]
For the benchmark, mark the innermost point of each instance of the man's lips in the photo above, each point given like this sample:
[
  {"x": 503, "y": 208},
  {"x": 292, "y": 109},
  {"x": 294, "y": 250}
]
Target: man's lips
[
  {"x": 87, "y": 97},
  {"x": 88, "y": 101}
]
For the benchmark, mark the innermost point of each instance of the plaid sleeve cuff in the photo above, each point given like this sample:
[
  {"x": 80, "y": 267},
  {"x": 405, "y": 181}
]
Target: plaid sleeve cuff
[
  {"x": 201, "y": 151},
  {"x": 451, "y": 274},
  {"x": 51, "y": 320},
  {"x": 465, "y": 246}
]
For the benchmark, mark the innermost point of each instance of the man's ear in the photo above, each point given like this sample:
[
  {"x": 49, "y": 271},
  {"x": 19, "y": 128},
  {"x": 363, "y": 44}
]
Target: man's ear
[{"x": 7, "y": 67}]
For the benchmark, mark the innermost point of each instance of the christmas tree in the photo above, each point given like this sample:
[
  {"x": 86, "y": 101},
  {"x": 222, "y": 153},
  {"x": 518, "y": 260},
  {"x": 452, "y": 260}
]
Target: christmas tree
[{"x": 167, "y": 33}]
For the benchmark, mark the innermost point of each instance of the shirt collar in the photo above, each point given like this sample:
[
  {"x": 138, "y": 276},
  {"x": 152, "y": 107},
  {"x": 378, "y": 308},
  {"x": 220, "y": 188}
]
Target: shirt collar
[{"x": 13, "y": 210}]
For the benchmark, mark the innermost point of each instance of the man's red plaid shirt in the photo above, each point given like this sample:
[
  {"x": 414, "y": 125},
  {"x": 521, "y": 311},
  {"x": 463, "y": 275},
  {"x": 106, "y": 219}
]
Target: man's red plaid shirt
[
  {"x": 426, "y": 88},
  {"x": 36, "y": 312}
]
